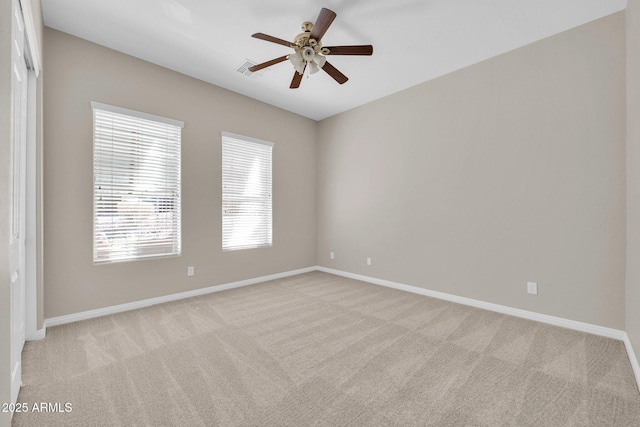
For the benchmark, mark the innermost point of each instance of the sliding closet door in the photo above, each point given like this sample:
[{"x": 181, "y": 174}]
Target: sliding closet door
[{"x": 18, "y": 198}]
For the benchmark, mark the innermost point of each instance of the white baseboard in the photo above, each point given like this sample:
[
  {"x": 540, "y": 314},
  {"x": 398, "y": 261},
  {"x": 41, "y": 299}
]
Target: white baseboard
[
  {"x": 90, "y": 314},
  {"x": 544, "y": 318},
  {"x": 552, "y": 320},
  {"x": 38, "y": 334}
]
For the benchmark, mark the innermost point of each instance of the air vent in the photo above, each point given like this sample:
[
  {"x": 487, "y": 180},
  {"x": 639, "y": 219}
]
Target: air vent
[{"x": 244, "y": 69}]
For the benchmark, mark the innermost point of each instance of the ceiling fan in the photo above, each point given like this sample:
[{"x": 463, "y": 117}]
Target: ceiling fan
[{"x": 309, "y": 51}]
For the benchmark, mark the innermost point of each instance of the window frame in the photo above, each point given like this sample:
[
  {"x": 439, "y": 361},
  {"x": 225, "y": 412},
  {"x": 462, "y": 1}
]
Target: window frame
[
  {"x": 231, "y": 138},
  {"x": 140, "y": 252}
]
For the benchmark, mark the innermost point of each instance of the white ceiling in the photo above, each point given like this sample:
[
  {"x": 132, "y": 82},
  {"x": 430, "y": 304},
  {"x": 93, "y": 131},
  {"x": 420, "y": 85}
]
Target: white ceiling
[{"x": 413, "y": 40}]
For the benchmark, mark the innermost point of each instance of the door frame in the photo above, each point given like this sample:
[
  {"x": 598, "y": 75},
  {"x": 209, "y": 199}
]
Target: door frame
[
  {"x": 33, "y": 233},
  {"x": 33, "y": 207}
]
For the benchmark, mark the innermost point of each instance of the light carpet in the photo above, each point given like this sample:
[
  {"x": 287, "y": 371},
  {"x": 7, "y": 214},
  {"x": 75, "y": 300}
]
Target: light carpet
[{"x": 321, "y": 350}]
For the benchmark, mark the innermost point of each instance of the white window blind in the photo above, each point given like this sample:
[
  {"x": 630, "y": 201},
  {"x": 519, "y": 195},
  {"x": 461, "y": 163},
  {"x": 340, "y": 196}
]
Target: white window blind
[
  {"x": 136, "y": 184},
  {"x": 246, "y": 192}
]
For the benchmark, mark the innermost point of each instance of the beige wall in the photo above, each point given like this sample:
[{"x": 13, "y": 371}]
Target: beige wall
[
  {"x": 508, "y": 171},
  {"x": 5, "y": 185},
  {"x": 78, "y": 72},
  {"x": 633, "y": 175}
]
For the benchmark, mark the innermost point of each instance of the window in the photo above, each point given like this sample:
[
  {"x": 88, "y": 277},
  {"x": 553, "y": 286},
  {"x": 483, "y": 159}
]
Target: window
[
  {"x": 136, "y": 184},
  {"x": 246, "y": 193}
]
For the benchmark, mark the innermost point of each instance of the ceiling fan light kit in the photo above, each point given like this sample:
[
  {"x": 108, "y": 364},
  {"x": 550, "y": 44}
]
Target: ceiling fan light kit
[{"x": 309, "y": 52}]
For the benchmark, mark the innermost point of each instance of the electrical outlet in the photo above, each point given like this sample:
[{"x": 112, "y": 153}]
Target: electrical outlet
[
  {"x": 332, "y": 255},
  {"x": 368, "y": 261},
  {"x": 532, "y": 288},
  {"x": 191, "y": 270}
]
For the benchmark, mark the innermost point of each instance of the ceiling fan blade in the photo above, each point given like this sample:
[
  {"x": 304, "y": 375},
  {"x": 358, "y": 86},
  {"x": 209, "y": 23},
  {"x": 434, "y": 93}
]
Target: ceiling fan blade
[
  {"x": 297, "y": 78},
  {"x": 258, "y": 67},
  {"x": 350, "y": 50},
  {"x": 321, "y": 26},
  {"x": 333, "y": 72},
  {"x": 271, "y": 39}
]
